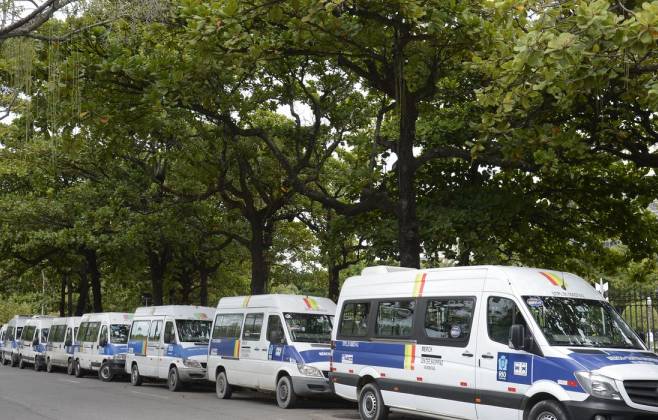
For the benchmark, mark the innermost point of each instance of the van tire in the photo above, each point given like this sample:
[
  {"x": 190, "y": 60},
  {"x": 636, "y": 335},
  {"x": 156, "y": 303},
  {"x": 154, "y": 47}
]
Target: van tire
[
  {"x": 173, "y": 380},
  {"x": 49, "y": 366},
  {"x": 135, "y": 377},
  {"x": 105, "y": 373},
  {"x": 78, "y": 372},
  {"x": 547, "y": 410},
  {"x": 371, "y": 403},
  {"x": 285, "y": 394},
  {"x": 36, "y": 365},
  {"x": 70, "y": 369},
  {"x": 222, "y": 387},
  {"x": 21, "y": 363},
  {"x": 13, "y": 361}
]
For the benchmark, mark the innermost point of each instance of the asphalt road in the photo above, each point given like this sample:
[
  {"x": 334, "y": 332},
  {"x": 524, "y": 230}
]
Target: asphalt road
[{"x": 29, "y": 395}]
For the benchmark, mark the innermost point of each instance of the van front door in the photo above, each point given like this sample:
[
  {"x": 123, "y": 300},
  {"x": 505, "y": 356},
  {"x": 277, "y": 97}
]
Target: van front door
[
  {"x": 503, "y": 374},
  {"x": 154, "y": 349},
  {"x": 445, "y": 355},
  {"x": 252, "y": 355}
]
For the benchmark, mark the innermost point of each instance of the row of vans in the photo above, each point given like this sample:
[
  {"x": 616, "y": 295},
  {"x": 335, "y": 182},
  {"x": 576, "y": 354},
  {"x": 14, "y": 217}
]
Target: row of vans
[{"x": 485, "y": 342}]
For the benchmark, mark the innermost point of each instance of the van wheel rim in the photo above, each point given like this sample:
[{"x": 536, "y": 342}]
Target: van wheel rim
[
  {"x": 135, "y": 375},
  {"x": 284, "y": 392},
  {"x": 370, "y": 405},
  {"x": 221, "y": 385},
  {"x": 172, "y": 379},
  {"x": 547, "y": 415},
  {"x": 105, "y": 371}
]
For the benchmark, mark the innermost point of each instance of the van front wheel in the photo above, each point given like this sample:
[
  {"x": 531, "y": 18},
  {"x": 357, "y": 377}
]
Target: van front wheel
[
  {"x": 285, "y": 394},
  {"x": 77, "y": 370},
  {"x": 371, "y": 403},
  {"x": 135, "y": 377},
  {"x": 49, "y": 366},
  {"x": 174, "y": 381},
  {"x": 70, "y": 369},
  {"x": 222, "y": 387},
  {"x": 547, "y": 410},
  {"x": 105, "y": 373},
  {"x": 21, "y": 363}
]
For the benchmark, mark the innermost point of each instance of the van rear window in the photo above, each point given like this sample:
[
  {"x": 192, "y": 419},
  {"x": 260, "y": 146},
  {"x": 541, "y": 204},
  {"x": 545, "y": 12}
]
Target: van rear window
[
  {"x": 354, "y": 319},
  {"x": 449, "y": 318},
  {"x": 227, "y": 326}
]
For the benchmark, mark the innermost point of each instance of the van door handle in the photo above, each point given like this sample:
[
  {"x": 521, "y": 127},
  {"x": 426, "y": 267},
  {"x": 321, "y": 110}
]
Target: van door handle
[
  {"x": 467, "y": 354},
  {"x": 245, "y": 347},
  {"x": 487, "y": 356}
]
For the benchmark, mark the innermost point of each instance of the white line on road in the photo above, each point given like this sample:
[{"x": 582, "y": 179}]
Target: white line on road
[{"x": 150, "y": 395}]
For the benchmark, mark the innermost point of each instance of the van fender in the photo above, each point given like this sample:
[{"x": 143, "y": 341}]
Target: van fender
[
  {"x": 548, "y": 387},
  {"x": 368, "y": 371}
]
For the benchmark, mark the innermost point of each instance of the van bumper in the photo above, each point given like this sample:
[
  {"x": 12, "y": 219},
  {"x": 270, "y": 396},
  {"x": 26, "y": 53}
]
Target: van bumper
[
  {"x": 192, "y": 374},
  {"x": 305, "y": 387},
  {"x": 117, "y": 367},
  {"x": 610, "y": 409}
]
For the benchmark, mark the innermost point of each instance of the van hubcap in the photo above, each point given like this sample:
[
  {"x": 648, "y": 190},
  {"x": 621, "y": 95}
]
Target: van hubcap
[
  {"x": 105, "y": 371},
  {"x": 547, "y": 415},
  {"x": 283, "y": 391},
  {"x": 172, "y": 378},
  {"x": 370, "y": 405},
  {"x": 135, "y": 375},
  {"x": 221, "y": 384}
]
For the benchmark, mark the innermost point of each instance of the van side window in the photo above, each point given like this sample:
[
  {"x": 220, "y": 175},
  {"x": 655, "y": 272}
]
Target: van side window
[
  {"x": 169, "y": 333},
  {"x": 354, "y": 319},
  {"x": 252, "y": 327},
  {"x": 103, "y": 336},
  {"x": 91, "y": 333},
  {"x": 68, "y": 335},
  {"x": 274, "y": 329},
  {"x": 155, "y": 332},
  {"x": 395, "y": 318},
  {"x": 139, "y": 330},
  {"x": 502, "y": 313},
  {"x": 449, "y": 319},
  {"x": 227, "y": 326}
]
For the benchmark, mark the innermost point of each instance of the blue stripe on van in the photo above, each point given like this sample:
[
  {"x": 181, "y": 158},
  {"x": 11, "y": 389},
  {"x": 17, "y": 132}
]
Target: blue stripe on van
[
  {"x": 222, "y": 347},
  {"x": 608, "y": 358},
  {"x": 112, "y": 349},
  {"x": 137, "y": 347},
  {"x": 286, "y": 353},
  {"x": 525, "y": 369},
  {"x": 176, "y": 350},
  {"x": 389, "y": 355}
]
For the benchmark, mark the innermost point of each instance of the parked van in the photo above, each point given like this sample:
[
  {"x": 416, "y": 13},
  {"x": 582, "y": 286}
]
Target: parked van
[
  {"x": 169, "y": 342},
  {"x": 488, "y": 343},
  {"x": 32, "y": 348},
  {"x": 102, "y": 344},
  {"x": 9, "y": 354},
  {"x": 61, "y": 342},
  {"x": 3, "y": 330},
  {"x": 272, "y": 343}
]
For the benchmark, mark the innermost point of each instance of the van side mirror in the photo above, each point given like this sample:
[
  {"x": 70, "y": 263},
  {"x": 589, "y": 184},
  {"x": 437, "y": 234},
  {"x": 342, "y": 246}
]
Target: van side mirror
[
  {"x": 169, "y": 338},
  {"x": 68, "y": 343},
  {"x": 35, "y": 341},
  {"x": 517, "y": 337}
]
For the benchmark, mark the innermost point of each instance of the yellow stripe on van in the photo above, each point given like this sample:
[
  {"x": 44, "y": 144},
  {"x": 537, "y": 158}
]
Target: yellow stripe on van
[
  {"x": 236, "y": 349},
  {"x": 245, "y": 302},
  {"x": 409, "y": 356},
  {"x": 419, "y": 285}
]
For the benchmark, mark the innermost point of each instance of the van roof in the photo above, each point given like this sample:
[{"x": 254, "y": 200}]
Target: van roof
[
  {"x": 524, "y": 281},
  {"x": 67, "y": 320},
  {"x": 291, "y": 303},
  {"x": 118, "y": 317},
  {"x": 177, "y": 311}
]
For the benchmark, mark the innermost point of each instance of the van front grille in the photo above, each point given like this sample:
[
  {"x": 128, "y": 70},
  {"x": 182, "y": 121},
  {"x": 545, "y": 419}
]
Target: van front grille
[{"x": 643, "y": 392}]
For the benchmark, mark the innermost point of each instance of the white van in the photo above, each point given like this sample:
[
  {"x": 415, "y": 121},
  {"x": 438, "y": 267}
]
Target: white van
[
  {"x": 3, "y": 331},
  {"x": 169, "y": 342},
  {"x": 272, "y": 343},
  {"x": 12, "y": 339},
  {"x": 102, "y": 344},
  {"x": 488, "y": 343},
  {"x": 32, "y": 348},
  {"x": 61, "y": 342}
]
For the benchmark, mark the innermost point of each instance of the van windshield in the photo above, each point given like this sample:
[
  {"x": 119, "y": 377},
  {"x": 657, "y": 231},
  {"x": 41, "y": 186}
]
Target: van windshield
[
  {"x": 193, "y": 331},
  {"x": 581, "y": 323},
  {"x": 309, "y": 328},
  {"x": 119, "y": 333}
]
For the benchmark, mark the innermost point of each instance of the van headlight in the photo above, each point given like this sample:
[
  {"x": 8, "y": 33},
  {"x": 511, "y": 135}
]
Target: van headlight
[
  {"x": 191, "y": 363},
  {"x": 598, "y": 385},
  {"x": 307, "y": 370}
]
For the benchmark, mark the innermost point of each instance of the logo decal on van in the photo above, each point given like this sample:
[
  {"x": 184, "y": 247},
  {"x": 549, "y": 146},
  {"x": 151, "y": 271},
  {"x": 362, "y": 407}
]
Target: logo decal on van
[
  {"x": 502, "y": 368},
  {"x": 311, "y": 304},
  {"x": 419, "y": 285},
  {"x": 409, "y": 356},
  {"x": 520, "y": 369},
  {"x": 554, "y": 279}
]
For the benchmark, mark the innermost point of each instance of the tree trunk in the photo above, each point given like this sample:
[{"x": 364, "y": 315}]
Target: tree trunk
[
  {"x": 83, "y": 290},
  {"x": 69, "y": 290},
  {"x": 158, "y": 266},
  {"x": 94, "y": 272},
  {"x": 259, "y": 266},
  {"x": 62, "y": 297},
  {"x": 203, "y": 286},
  {"x": 334, "y": 281},
  {"x": 408, "y": 235}
]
